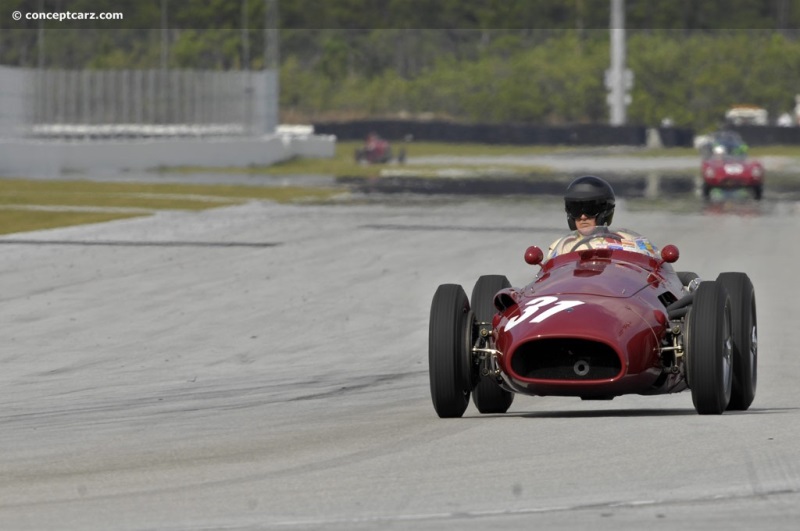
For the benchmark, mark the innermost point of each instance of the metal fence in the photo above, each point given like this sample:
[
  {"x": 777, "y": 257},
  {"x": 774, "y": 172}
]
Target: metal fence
[{"x": 84, "y": 104}]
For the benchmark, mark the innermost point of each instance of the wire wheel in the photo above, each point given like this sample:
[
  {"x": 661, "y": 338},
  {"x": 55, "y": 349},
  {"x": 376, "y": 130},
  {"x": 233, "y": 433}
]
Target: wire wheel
[
  {"x": 488, "y": 396},
  {"x": 744, "y": 331}
]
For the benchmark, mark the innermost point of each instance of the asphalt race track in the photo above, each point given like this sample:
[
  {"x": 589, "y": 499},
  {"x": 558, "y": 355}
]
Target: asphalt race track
[{"x": 265, "y": 367}]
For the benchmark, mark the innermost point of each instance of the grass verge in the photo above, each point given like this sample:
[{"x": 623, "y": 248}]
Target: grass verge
[
  {"x": 344, "y": 165},
  {"x": 27, "y": 205},
  {"x": 12, "y": 221}
]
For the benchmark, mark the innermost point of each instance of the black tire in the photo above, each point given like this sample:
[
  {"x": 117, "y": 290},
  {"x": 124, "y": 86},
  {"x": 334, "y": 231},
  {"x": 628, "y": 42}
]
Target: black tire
[
  {"x": 710, "y": 349},
  {"x": 706, "y": 191},
  {"x": 449, "y": 348},
  {"x": 758, "y": 192},
  {"x": 686, "y": 277},
  {"x": 487, "y": 396},
  {"x": 744, "y": 331}
]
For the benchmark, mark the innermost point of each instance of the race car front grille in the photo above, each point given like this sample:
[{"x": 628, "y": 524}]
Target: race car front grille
[{"x": 565, "y": 359}]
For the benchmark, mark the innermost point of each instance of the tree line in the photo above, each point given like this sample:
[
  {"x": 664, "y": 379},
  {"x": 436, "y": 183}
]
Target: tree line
[{"x": 528, "y": 61}]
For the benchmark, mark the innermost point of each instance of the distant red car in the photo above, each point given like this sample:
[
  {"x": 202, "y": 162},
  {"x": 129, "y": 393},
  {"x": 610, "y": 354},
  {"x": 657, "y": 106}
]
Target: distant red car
[
  {"x": 726, "y": 165},
  {"x": 377, "y": 150}
]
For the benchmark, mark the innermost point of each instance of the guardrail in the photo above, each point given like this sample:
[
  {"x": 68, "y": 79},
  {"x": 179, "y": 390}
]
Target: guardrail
[{"x": 581, "y": 134}]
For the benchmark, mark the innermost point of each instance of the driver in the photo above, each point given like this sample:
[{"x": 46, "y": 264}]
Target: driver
[{"x": 589, "y": 203}]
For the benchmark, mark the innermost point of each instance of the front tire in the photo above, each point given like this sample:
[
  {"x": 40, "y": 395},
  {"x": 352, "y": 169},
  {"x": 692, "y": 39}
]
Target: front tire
[
  {"x": 488, "y": 396},
  {"x": 449, "y": 350},
  {"x": 710, "y": 349},
  {"x": 744, "y": 332}
]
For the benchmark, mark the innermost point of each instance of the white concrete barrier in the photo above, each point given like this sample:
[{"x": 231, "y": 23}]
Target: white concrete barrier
[{"x": 50, "y": 157}]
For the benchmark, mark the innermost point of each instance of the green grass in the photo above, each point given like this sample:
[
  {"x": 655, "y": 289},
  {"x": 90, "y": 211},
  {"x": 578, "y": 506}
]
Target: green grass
[
  {"x": 27, "y": 205},
  {"x": 12, "y": 221},
  {"x": 782, "y": 151},
  {"x": 344, "y": 165}
]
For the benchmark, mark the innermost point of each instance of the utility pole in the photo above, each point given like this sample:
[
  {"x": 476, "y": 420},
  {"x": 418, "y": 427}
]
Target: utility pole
[
  {"x": 271, "y": 52},
  {"x": 245, "y": 37},
  {"x": 618, "y": 79},
  {"x": 271, "y": 65},
  {"x": 164, "y": 35},
  {"x": 40, "y": 39}
]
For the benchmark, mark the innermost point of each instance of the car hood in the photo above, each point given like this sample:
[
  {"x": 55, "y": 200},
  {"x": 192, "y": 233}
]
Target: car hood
[{"x": 592, "y": 275}]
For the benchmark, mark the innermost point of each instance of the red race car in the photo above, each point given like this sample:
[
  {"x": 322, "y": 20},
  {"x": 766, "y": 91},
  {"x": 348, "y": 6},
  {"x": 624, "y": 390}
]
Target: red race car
[
  {"x": 595, "y": 324},
  {"x": 726, "y": 165},
  {"x": 377, "y": 150}
]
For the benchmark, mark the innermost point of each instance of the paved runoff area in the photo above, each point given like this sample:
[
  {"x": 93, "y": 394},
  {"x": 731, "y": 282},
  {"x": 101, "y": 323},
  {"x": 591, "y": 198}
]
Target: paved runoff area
[{"x": 265, "y": 367}]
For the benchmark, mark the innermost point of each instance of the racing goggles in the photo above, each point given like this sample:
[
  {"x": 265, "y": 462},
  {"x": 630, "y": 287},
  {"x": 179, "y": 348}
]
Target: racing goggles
[{"x": 592, "y": 209}]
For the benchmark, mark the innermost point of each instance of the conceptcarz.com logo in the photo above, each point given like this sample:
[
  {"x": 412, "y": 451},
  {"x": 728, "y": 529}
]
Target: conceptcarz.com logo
[{"x": 67, "y": 15}]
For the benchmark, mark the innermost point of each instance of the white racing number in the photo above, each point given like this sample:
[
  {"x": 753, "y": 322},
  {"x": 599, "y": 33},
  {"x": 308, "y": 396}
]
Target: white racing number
[{"x": 533, "y": 306}]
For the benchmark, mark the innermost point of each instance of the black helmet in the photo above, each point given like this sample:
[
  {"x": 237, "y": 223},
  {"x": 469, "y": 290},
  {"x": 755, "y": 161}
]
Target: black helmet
[{"x": 592, "y": 196}]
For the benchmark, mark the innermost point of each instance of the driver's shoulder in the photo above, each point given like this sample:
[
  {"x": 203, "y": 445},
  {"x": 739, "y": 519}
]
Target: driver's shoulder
[
  {"x": 570, "y": 236},
  {"x": 558, "y": 246}
]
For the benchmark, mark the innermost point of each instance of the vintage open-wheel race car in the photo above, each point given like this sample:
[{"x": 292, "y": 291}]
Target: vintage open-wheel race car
[{"x": 595, "y": 323}]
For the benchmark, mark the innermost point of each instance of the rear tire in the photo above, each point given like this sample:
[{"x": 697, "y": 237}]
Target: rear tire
[
  {"x": 710, "y": 349},
  {"x": 758, "y": 192},
  {"x": 488, "y": 396},
  {"x": 449, "y": 350},
  {"x": 745, "y": 338}
]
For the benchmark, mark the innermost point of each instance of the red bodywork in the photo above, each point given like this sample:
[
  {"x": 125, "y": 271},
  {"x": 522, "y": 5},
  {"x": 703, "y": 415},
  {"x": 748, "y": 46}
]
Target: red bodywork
[
  {"x": 592, "y": 325},
  {"x": 732, "y": 172},
  {"x": 376, "y": 150}
]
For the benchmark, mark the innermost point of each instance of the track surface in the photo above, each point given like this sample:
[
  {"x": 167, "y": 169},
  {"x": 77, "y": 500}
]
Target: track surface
[{"x": 265, "y": 367}]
